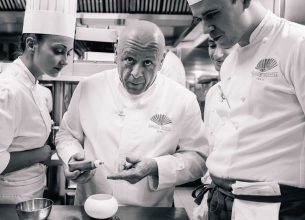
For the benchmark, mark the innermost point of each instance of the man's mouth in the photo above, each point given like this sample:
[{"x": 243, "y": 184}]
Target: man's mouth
[
  {"x": 58, "y": 69},
  {"x": 135, "y": 83},
  {"x": 219, "y": 62}
]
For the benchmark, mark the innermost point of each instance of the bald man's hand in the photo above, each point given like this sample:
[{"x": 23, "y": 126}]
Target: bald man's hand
[
  {"x": 78, "y": 175},
  {"x": 136, "y": 169}
]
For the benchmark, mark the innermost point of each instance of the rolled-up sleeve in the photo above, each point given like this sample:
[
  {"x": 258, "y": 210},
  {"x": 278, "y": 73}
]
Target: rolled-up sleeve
[
  {"x": 188, "y": 162},
  {"x": 7, "y": 124},
  {"x": 69, "y": 138}
]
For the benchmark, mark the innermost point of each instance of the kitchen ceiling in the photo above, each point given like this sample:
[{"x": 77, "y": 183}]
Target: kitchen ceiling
[
  {"x": 173, "y": 16},
  {"x": 115, "y": 6}
]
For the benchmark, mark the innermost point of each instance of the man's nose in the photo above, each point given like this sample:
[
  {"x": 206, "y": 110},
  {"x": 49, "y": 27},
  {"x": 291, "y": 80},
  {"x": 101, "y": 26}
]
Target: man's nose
[
  {"x": 136, "y": 71},
  {"x": 218, "y": 54},
  {"x": 207, "y": 28}
]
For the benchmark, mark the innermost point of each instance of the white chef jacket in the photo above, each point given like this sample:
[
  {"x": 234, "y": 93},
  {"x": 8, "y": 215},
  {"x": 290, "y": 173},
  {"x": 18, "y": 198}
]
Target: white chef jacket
[
  {"x": 173, "y": 68},
  {"x": 111, "y": 124},
  {"x": 255, "y": 121},
  {"x": 24, "y": 125}
]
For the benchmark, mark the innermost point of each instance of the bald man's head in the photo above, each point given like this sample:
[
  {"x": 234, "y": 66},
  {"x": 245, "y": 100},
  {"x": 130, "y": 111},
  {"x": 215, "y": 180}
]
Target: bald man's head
[
  {"x": 139, "y": 55},
  {"x": 144, "y": 33}
]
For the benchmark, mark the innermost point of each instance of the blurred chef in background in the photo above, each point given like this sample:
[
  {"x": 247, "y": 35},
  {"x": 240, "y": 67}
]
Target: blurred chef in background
[
  {"x": 25, "y": 123},
  {"x": 173, "y": 68},
  {"x": 258, "y": 122},
  {"x": 133, "y": 119}
]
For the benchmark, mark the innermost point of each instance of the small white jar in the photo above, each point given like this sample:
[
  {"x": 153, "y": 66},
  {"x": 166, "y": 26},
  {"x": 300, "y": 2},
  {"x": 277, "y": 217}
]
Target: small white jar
[{"x": 101, "y": 206}]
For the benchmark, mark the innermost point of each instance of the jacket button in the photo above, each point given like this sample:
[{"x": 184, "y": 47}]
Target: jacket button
[{"x": 235, "y": 124}]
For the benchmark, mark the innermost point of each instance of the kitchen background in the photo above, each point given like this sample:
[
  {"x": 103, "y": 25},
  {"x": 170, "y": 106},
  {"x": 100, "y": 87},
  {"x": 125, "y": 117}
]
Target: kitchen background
[{"x": 98, "y": 23}]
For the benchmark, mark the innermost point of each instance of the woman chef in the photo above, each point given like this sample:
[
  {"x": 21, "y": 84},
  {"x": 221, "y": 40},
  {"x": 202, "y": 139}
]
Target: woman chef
[{"x": 25, "y": 123}]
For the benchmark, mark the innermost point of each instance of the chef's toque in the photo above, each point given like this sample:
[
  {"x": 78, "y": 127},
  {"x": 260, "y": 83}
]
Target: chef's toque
[{"x": 56, "y": 17}]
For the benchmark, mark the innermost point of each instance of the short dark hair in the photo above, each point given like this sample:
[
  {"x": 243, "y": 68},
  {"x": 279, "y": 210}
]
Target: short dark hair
[{"x": 38, "y": 37}]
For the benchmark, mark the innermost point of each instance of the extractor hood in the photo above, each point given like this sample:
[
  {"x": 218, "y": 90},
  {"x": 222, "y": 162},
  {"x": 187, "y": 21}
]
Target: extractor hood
[{"x": 173, "y": 17}]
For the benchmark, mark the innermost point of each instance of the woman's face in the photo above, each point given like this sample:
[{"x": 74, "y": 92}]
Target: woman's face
[
  {"x": 50, "y": 57},
  {"x": 217, "y": 53}
]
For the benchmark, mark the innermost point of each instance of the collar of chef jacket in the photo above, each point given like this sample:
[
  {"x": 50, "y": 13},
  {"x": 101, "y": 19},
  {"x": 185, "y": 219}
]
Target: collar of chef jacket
[
  {"x": 258, "y": 36},
  {"x": 29, "y": 79},
  {"x": 261, "y": 31}
]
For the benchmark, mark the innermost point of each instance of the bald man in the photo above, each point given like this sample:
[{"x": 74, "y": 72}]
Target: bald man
[{"x": 133, "y": 119}]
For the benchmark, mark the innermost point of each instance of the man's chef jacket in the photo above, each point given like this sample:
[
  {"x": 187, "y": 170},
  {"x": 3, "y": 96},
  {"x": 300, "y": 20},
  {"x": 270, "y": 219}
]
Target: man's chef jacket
[
  {"x": 255, "y": 122},
  {"x": 24, "y": 125},
  {"x": 110, "y": 124}
]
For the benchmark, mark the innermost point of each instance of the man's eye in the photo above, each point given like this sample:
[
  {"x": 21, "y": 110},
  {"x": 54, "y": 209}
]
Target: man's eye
[
  {"x": 129, "y": 60},
  {"x": 212, "y": 46},
  {"x": 211, "y": 15},
  {"x": 147, "y": 62}
]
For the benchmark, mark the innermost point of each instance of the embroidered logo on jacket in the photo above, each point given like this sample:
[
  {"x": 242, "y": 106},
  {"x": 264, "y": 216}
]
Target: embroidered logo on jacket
[
  {"x": 264, "y": 69},
  {"x": 161, "y": 119},
  {"x": 266, "y": 64},
  {"x": 161, "y": 122}
]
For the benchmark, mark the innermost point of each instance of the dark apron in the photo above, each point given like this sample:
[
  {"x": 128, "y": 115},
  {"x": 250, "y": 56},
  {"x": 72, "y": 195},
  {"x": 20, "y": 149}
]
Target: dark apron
[{"x": 220, "y": 200}]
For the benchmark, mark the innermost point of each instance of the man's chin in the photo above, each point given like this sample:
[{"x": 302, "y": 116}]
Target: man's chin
[
  {"x": 52, "y": 73},
  {"x": 135, "y": 91}
]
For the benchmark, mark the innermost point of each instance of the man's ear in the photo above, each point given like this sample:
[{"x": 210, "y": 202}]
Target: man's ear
[
  {"x": 162, "y": 60},
  {"x": 30, "y": 43}
]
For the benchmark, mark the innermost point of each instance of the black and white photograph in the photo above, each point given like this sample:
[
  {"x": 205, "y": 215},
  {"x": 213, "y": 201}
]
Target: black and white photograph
[{"x": 152, "y": 109}]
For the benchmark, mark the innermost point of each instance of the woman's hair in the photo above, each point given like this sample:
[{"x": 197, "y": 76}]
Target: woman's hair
[{"x": 38, "y": 37}]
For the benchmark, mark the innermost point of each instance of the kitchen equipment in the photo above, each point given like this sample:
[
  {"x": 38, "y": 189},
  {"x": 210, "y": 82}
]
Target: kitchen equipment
[
  {"x": 34, "y": 209},
  {"x": 101, "y": 206}
]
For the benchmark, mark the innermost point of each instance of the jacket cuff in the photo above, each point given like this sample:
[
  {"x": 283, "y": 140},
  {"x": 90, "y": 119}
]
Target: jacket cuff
[
  {"x": 4, "y": 160},
  {"x": 66, "y": 150},
  {"x": 168, "y": 166}
]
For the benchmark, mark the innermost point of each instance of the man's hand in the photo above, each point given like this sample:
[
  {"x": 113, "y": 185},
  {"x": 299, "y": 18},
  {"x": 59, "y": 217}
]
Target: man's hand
[
  {"x": 78, "y": 176},
  {"x": 136, "y": 169}
]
